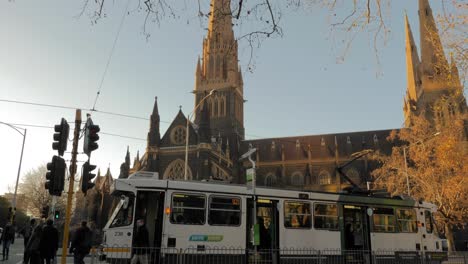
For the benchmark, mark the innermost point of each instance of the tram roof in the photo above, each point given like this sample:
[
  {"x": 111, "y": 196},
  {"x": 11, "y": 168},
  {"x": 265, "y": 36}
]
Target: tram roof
[{"x": 150, "y": 181}]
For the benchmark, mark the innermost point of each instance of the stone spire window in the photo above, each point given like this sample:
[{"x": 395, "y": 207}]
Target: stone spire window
[
  {"x": 324, "y": 177},
  {"x": 270, "y": 179},
  {"x": 175, "y": 171},
  {"x": 297, "y": 179}
]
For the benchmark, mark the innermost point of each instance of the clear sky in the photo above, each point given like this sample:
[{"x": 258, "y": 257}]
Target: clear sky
[{"x": 50, "y": 55}]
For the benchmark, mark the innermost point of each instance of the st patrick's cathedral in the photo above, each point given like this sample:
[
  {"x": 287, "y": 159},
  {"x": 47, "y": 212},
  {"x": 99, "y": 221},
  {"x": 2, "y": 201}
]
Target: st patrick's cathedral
[{"x": 216, "y": 137}]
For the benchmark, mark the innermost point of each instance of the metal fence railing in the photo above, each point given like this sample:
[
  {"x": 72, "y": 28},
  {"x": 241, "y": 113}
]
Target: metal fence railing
[{"x": 204, "y": 255}]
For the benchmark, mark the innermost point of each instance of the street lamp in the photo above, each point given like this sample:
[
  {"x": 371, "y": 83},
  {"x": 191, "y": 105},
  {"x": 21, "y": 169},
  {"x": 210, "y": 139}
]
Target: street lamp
[
  {"x": 404, "y": 157},
  {"x": 17, "y": 129},
  {"x": 187, "y": 130}
]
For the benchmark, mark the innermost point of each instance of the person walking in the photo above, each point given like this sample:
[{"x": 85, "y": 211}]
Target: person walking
[
  {"x": 8, "y": 238},
  {"x": 141, "y": 244},
  {"x": 49, "y": 242},
  {"x": 33, "y": 247},
  {"x": 27, "y": 233},
  {"x": 81, "y": 243}
]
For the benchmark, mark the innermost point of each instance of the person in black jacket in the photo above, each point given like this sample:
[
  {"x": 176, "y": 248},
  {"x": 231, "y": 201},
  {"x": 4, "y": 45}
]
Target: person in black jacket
[
  {"x": 81, "y": 243},
  {"x": 8, "y": 238},
  {"x": 49, "y": 242},
  {"x": 34, "y": 255},
  {"x": 140, "y": 244}
]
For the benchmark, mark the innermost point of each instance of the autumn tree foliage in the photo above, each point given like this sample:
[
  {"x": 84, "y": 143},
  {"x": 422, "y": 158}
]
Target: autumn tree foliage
[
  {"x": 437, "y": 167},
  {"x": 33, "y": 188}
]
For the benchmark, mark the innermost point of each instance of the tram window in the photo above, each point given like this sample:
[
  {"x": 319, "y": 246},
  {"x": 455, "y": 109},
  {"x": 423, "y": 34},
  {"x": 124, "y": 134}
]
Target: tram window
[
  {"x": 225, "y": 211},
  {"x": 384, "y": 220},
  {"x": 326, "y": 216},
  {"x": 297, "y": 215},
  {"x": 407, "y": 220},
  {"x": 429, "y": 224},
  {"x": 125, "y": 215},
  {"x": 188, "y": 209}
]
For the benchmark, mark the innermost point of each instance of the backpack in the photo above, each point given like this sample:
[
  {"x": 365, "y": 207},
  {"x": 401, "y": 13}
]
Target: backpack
[{"x": 87, "y": 241}]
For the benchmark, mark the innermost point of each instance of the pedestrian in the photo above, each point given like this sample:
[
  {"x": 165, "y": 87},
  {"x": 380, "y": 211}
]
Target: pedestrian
[
  {"x": 27, "y": 233},
  {"x": 49, "y": 242},
  {"x": 81, "y": 243},
  {"x": 33, "y": 246},
  {"x": 8, "y": 238},
  {"x": 141, "y": 244}
]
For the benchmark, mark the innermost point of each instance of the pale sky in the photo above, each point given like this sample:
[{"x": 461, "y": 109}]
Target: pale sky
[{"x": 49, "y": 55}]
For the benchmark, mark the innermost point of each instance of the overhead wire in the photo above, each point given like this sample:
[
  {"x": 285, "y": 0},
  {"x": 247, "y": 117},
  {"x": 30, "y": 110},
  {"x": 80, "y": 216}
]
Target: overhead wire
[
  {"x": 110, "y": 56},
  {"x": 117, "y": 114},
  {"x": 81, "y": 132}
]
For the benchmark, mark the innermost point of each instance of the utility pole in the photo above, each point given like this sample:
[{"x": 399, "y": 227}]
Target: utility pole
[{"x": 76, "y": 136}]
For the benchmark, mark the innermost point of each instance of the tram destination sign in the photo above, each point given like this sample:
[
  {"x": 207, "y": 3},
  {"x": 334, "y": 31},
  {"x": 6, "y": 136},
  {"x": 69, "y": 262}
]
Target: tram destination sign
[
  {"x": 437, "y": 256},
  {"x": 407, "y": 257}
]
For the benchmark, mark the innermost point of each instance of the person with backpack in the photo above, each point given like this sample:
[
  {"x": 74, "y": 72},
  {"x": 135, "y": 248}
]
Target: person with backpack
[
  {"x": 49, "y": 242},
  {"x": 27, "y": 233},
  {"x": 8, "y": 238},
  {"x": 81, "y": 243},
  {"x": 32, "y": 249}
]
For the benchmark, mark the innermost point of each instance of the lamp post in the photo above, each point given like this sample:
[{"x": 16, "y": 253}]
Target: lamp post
[
  {"x": 406, "y": 163},
  {"x": 187, "y": 131},
  {"x": 17, "y": 129}
]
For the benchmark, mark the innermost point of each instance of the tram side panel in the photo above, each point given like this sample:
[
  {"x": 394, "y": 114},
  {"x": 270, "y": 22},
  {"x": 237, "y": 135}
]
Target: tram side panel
[
  {"x": 198, "y": 222},
  {"x": 302, "y": 229}
]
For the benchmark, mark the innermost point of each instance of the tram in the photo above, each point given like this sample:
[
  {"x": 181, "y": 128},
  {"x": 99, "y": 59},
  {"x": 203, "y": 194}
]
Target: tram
[{"x": 203, "y": 215}]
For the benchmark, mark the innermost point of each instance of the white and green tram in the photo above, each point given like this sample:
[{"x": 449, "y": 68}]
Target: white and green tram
[{"x": 202, "y": 216}]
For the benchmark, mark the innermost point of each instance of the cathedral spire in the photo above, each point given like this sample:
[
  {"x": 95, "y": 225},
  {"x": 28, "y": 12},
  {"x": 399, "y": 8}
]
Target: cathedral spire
[
  {"x": 219, "y": 59},
  {"x": 434, "y": 65},
  {"x": 154, "y": 135},
  {"x": 412, "y": 64},
  {"x": 220, "y": 19},
  {"x": 127, "y": 157}
]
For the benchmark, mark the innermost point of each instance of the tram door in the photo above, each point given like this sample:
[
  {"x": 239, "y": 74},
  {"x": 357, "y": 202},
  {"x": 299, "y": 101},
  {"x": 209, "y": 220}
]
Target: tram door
[
  {"x": 355, "y": 234},
  {"x": 268, "y": 231},
  {"x": 150, "y": 208}
]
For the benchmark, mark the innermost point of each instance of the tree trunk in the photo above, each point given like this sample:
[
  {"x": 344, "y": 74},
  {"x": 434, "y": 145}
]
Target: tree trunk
[{"x": 449, "y": 236}]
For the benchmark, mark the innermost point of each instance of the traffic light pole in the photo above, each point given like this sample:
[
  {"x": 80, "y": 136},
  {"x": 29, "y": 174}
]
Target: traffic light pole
[{"x": 76, "y": 136}]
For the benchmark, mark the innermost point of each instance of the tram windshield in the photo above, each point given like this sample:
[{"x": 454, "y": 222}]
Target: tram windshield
[{"x": 124, "y": 217}]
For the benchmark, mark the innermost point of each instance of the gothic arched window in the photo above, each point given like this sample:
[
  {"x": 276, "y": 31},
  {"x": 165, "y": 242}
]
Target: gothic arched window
[
  {"x": 211, "y": 66},
  {"x": 324, "y": 177},
  {"x": 175, "y": 171},
  {"x": 270, "y": 179},
  {"x": 353, "y": 174},
  {"x": 218, "y": 66},
  {"x": 216, "y": 107},
  {"x": 222, "y": 109},
  {"x": 297, "y": 179},
  {"x": 451, "y": 109},
  {"x": 224, "y": 69}
]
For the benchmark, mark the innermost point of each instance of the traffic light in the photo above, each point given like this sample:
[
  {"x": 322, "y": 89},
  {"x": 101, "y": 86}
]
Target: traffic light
[
  {"x": 57, "y": 214},
  {"x": 90, "y": 137},
  {"x": 87, "y": 176},
  {"x": 61, "y": 137},
  {"x": 45, "y": 212},
  {"x": 55, "y": 177}
]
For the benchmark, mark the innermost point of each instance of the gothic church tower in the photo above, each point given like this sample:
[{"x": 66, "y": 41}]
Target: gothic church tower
[
  {"x": 219, "y": 70},
  {"x": 433, "y": 85}
]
